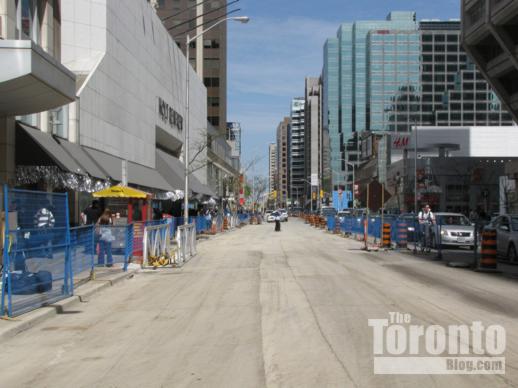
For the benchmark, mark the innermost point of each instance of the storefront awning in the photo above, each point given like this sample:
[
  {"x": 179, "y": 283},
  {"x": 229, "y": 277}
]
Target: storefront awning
[
  {"x": 79, "y": 154},
  {"x": 109, "y": 163},
  {"x": 49, "y": 145},
  {"x": 31, "y": 80},
  {"x": 137, "y": 174},
  {"x": 173, "y": 170},
  {"x": 147, "y": 177}
]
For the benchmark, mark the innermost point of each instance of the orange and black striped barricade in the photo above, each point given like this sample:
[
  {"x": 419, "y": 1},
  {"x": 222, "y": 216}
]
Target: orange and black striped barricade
[
  {"x": 225, "y": 223},
  {"x": 386, "y": 235},
  {"x": 487, "y": 261}
]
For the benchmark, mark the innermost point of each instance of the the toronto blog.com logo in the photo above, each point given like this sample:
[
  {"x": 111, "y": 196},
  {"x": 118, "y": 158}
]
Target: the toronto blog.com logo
[{"x": 402, "y": 347}]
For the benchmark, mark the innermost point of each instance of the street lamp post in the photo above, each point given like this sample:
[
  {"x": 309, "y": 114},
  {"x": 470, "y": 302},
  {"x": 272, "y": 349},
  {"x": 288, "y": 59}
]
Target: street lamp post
[
  {"x": 310, "y": 193},
  {"x": 188, "y": 40}
]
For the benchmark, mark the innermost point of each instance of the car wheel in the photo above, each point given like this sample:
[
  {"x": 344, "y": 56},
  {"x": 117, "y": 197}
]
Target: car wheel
[{"x": 511, "y": 254}]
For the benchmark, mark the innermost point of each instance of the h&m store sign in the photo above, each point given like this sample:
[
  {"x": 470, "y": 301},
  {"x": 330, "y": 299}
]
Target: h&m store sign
[
  {"x": 400, "y": 142},
  {"x": 169, "y": 116}
]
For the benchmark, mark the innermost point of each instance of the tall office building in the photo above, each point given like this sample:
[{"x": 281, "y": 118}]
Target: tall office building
[
  {"x": 208, "y": 54},
  {"x": 331, "y": 109},
  {"x": 346, "y": 84},
  {"x": 393, "y": 82},
  {"x": 297, "y": 151},
  {"x": 283, "y": 161},
  {"x": 233, "y": 137},
  {"x": 272, "y": 167},
  {"x": 453, "y": 91},
  {"x": 388, "y": 75},
  {"x": 314, "y": 143},
  {"x": 490, "y": 36}
]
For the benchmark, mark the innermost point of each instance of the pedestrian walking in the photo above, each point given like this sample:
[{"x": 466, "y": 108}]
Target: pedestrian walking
[
  {"x": 105, "y": 238},
  {"x": 277, "y": 217}
]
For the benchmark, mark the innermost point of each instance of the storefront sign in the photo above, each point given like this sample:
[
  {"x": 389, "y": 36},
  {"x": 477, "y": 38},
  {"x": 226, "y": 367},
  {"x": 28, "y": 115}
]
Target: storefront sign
[
  {"x": 400, "y": 141},
  {"x": 169, "y": 115}
]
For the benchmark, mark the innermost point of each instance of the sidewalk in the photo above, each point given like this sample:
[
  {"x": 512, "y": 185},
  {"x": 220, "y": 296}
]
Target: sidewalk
[{"x": 84, "y": 289}]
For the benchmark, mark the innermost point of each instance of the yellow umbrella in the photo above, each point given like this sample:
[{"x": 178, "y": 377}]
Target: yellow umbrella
[{"x": 120, "y": 191}]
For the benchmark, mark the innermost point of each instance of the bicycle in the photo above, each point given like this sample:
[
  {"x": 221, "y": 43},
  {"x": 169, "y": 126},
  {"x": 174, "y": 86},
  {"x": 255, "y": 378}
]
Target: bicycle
[{"x": 425, "y": 242}]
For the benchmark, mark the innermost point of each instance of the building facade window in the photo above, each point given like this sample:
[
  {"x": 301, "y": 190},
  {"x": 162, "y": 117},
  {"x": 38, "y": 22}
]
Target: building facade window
[
  {"x": 58, "y": 122},
  {"x": 211, "y": 82},
  {"x": 214, "y": 120}
]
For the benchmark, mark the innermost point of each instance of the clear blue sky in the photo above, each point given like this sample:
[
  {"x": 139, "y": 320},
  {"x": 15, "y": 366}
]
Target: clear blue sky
[{"x": 269, "y": 58}]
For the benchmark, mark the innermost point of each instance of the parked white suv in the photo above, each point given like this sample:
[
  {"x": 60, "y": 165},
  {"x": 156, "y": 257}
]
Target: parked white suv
[{"x": 284, "y": 215}]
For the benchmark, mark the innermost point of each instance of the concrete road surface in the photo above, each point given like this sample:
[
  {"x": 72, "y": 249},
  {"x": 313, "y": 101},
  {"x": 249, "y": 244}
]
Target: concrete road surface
[{"x": 258, "y": 308}]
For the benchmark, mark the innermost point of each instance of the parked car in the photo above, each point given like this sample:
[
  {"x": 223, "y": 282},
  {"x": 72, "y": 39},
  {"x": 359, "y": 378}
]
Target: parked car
[
  {"x": 284, "y": 215},
  {"x": 272, "y": 216},
  {"x": 455, "y": 230},
  {"x": 506, "y": 227}
]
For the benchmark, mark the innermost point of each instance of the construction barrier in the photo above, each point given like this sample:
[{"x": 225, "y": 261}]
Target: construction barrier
[
  {"x": 186, "y": 240},
  {"x": 331, "y": 222},
  {"x": 488, "y": 259},
  {"x": 156, "y": 246},
  {"x": 37, "y": 255},
  {"x": 400, "y": 233},
  {"x": 386, "y": 235}
]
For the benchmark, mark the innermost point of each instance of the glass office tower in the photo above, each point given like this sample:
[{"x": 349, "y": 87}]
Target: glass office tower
[
  {"x": 393, "y": 81},
  {"x": 346, "y": 83},
  {"x": 330, "y": 108}
]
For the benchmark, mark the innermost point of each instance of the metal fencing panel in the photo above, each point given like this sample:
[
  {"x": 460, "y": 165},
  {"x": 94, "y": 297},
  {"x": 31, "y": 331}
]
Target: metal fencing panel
[
  {"x": 82, "y": 248},
  {"x": 113, "y": 245},
  {"x": 37, "y": 256}
]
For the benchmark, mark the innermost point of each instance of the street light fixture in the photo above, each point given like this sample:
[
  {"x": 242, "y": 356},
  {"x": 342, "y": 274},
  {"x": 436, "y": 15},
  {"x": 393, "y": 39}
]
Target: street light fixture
[{"x": 188, "y": 40}]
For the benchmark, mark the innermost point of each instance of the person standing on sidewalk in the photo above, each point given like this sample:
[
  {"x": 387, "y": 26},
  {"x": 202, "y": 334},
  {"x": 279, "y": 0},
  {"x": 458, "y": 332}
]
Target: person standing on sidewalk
[
  {"x": 105, "y": 238},
  {"x": 92, "y": 213}
]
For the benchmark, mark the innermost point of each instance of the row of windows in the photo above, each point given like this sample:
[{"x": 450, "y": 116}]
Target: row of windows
[
  {"x": 440, "y": 38},
  {"x": 211, "y": 82},
  {"x": 441, "y": 48}
]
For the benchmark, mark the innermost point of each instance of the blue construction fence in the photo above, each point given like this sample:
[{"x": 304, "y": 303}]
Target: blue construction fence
[
  {"x": 43, "y": 257},
  {"x": 37, "y": 261},
  {"x": 400, "y": 230}
]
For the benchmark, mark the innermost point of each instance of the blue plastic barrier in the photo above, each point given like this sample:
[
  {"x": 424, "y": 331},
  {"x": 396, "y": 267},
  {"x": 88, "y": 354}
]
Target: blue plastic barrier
[{"x": 331, "y": 223}]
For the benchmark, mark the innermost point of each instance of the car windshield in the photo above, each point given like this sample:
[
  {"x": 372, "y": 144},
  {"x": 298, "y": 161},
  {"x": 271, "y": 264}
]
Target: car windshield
[
  {"x": 343, "y": 214},
  {"x": 458, "y": 220},
  {"x": 514, "y": 223},
  {"x": 275, "y": 214}
]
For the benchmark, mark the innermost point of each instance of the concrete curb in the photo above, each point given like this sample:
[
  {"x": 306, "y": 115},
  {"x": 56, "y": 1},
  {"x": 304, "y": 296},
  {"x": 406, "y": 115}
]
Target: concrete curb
[{"x": 11, "y": 327}]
